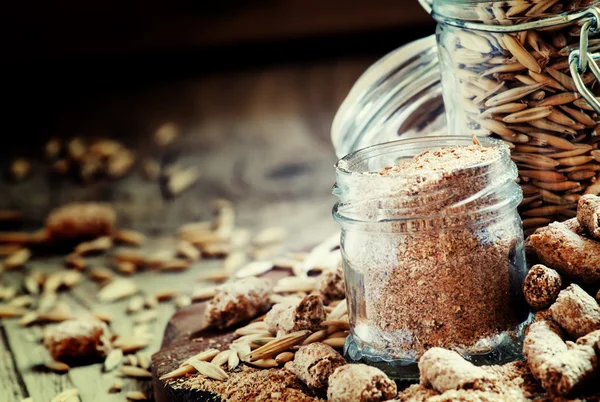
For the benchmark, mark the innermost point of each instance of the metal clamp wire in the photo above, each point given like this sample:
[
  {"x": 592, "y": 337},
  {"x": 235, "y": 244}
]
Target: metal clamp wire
[
  {"x": 595, "y": 18},
  {"x": 579, "y": 84},
  {"x": 593, "y": 66},
  {"x": 583, "y": 45},
  {"x": 590, "y": 25},
  {"x": 427, "y": 5},
  {"x": 579, "y": 59}
]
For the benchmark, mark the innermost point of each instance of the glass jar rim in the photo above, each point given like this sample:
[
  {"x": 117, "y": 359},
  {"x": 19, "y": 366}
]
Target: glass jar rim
[
  {"x": 481, "y": 214},
  {"x": 463, "y": 14}
]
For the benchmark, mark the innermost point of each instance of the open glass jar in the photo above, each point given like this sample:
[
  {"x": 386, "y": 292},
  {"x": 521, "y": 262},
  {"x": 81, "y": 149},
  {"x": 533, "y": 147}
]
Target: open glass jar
[
  {"x": 430, "y": 258},
  {"x": 517, "y": 71}
]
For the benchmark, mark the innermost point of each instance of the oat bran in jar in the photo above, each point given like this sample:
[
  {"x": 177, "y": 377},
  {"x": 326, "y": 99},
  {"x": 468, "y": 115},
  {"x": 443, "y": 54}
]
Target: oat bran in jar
[{"x": 432, "y": 250}]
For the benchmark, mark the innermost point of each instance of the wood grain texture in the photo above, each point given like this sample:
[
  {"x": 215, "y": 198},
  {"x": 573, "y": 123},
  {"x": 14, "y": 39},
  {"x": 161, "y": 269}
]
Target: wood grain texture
[
  {"x": 260, "y": 139},
  {"x": 10, "y": 381}
]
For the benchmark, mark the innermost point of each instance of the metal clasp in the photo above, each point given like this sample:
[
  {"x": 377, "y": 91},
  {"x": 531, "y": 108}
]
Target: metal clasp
[{"x": 579, "y": 59}]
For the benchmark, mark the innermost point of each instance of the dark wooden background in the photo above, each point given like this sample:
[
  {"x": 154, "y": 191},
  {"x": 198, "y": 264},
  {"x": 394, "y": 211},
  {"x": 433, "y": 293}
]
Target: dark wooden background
[
  {"x": 260, "y": 138},
  {"x": 36, "y": 30},
  {"x": 254, "y": 86}
]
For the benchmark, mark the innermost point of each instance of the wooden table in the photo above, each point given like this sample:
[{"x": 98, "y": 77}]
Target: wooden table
[{"x": 261, "y": 139}]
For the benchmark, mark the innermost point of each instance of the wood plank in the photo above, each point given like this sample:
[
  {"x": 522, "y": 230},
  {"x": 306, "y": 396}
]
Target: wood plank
[
  {"x": 30, "y": 355},
  {"x": 11, "y": 383},
  {"x": 93, "y": 383}
]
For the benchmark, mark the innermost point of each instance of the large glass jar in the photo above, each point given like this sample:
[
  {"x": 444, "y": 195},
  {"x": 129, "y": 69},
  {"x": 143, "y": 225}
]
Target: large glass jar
[
  {"x": 431, "y": 258},
  {"x": 512, "y": 70},
  {"x": 506, "y": 72}
]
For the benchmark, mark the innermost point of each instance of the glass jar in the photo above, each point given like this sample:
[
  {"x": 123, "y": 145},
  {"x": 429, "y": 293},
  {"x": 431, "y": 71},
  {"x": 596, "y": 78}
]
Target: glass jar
[
  {"x": 399, "y": 95},
  {"x": 506, "y": 72},
  {"x": 557, "y": 155},
  {"x": 430, "y": 259}
]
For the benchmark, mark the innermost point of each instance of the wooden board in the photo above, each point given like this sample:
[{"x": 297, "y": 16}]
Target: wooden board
[{"x": 187, "y": 334}]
